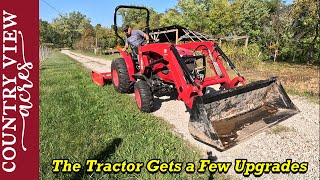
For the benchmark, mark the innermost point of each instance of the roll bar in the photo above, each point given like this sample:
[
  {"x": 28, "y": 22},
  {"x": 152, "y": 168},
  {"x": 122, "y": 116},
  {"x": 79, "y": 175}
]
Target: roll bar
[{"x": 115, "y": 27}]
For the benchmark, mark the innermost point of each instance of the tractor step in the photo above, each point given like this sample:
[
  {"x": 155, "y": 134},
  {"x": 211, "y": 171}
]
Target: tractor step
[{"x": 101, "y": 78}]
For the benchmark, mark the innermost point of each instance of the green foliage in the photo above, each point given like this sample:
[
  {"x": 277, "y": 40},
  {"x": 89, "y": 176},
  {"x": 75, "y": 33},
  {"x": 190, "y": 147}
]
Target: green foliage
[
  {"x": 306, "y": 29},
  {"x": 167, "y": 20},
  {"x": 154, "y": 19},
  {"x": 282, "y": 32},
  {"x": 243, "y": 57},
  {"x": 223, "y": 17},
  {"x": 253, "y": 14},
  {"x": 48, "y": 37},
  {"x": 136, "y": 18},
  {"x": 194, "y": 13},
  {"x": 87, "y": 38},
  {"x": 70, "y": 27}
]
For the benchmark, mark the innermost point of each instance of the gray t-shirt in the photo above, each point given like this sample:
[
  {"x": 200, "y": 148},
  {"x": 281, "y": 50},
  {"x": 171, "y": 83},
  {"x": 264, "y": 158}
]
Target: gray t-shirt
[{"x": 136, "y": 38}]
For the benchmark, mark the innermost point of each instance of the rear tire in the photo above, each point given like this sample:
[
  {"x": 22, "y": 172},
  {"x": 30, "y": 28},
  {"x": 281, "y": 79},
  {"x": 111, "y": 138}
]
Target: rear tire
[
  {"x": 144, "y": 96},
  {"x": 120, "y": 76}
]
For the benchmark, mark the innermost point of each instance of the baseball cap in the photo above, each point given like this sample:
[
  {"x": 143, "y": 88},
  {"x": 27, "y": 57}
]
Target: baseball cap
[{"x": 125, "y": 28}]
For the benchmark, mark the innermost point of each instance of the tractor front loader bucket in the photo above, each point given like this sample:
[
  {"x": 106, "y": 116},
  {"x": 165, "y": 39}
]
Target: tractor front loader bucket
[
  {"x": 100, "y": 78},
  {"x": 225, "y": 118}
]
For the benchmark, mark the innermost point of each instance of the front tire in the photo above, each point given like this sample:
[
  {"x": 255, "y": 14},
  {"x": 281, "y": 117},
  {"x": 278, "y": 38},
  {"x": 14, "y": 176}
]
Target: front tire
[
  {"x": 120, "y": 76},
  {"x": 144, "y": 96}
]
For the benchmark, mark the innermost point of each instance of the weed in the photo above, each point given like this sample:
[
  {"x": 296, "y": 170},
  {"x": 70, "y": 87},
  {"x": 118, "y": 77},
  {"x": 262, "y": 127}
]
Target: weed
[{"x": 277, "y": 129}]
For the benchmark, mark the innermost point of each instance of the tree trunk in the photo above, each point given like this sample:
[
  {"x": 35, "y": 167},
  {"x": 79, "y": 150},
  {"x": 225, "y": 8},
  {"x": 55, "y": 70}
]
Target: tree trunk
[{"x": 294, "y": 55}]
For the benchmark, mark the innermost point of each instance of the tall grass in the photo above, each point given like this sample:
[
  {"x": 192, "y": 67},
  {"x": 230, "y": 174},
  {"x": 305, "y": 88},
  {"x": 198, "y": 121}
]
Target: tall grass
[
  {"x": 297, "y": 79},
  {"x": 243, "y": 57}
]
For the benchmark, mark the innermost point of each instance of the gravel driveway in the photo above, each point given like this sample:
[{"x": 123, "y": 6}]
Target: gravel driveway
[{"x": 296, "y": 138}]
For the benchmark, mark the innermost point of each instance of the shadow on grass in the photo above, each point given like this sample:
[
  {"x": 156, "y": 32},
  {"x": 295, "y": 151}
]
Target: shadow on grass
[
  {"x": 101, "y": 157},
  {"x": 212, "y": 159}
]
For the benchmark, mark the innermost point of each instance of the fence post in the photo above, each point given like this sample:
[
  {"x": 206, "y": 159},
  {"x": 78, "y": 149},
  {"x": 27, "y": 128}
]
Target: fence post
[{"x": 43, "y": 53}]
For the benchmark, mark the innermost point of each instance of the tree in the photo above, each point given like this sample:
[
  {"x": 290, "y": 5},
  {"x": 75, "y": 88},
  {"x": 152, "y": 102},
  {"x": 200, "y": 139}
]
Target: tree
[
  {"x": 274, "y": 5},
  {"x": 282, "y": 32},
  {"x": 252, "y": 17},
  {"x": 154, "y": 19},
  {"x": 132, "y": 17},
  {"x": 194, "y": 13},
  {"x": 100, "y": 35},
  {"x": 86, "y": 42},
  {"x": 223, "y": 17},
  {"x": 48, "y": 36},
  {"x": 275, "y": 29},
  {"x": 171, "y": 17},
  {"x": 105, "y": 37},
  {"x": 69, "y": 27},
  {"x": 306, "y": 29},
  {"x": 44, "y": 32}
]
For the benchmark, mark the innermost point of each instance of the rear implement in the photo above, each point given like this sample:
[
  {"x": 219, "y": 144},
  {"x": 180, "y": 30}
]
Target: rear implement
[{"x": 100, "y": 78}]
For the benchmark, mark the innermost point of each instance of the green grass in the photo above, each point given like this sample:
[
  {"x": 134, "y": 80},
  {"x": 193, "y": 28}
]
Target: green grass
[
  {"x": 89, "y": 53},
  {"x": 80, "y": 120}
]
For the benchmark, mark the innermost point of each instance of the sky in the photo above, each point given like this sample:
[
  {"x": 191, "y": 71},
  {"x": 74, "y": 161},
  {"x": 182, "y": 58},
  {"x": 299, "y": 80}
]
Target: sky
[{"x": 99, "y": 11}]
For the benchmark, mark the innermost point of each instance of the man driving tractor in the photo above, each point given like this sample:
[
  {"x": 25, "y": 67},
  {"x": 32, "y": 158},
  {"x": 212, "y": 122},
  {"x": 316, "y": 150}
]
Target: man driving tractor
[{"x": 135, "y": 38}]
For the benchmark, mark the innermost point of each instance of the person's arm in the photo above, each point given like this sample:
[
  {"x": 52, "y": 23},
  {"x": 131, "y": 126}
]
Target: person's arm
[
  {"x": 126, "y": 46},
  {"x": 147, "y": 37}
]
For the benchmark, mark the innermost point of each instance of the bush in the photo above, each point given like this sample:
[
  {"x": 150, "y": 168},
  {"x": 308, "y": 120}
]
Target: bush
[
  {"x": 241, "y": 56},
  {"x": 56, "y": 50}
]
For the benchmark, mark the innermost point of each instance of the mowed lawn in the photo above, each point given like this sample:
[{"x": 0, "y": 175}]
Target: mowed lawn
[{"x": 80, "y": 120}]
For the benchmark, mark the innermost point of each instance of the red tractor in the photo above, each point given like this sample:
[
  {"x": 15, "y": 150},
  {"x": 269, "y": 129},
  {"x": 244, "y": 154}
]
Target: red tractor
[{"x": 220, "y": 118}]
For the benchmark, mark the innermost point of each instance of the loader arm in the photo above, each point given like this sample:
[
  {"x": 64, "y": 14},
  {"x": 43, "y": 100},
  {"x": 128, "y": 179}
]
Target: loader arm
[{"x": 185, "y": 84}]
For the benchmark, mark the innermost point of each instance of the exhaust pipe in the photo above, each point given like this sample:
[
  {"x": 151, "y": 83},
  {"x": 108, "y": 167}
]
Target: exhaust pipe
[{"x": 225, "y": 118}]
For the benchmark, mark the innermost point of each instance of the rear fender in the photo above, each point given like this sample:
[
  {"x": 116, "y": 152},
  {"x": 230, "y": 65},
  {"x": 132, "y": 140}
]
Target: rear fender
[
  {"x": 143, "y": 62},
  {"x": 129, "y": 63}
]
